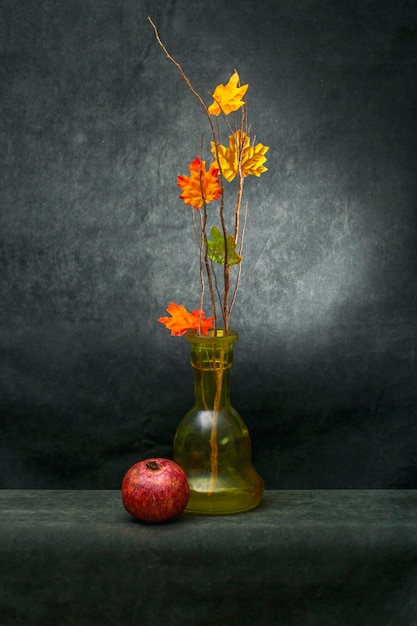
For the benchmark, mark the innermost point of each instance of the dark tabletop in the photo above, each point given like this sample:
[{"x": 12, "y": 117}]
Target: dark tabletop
[{"x": 302, "y": 557}]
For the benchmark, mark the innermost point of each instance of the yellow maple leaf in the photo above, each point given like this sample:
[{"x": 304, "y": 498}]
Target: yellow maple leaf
[
  {"x": 202, "y": 186},
  {"x": 251, "y": 158},
  {"x": 228, "y": 98}
]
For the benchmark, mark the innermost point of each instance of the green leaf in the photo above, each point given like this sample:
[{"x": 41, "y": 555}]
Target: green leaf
[{"x": 216, "y": 249}]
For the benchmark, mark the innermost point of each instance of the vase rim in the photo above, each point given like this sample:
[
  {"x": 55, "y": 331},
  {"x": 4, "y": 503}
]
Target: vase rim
[{"x": 230, "y": 335}]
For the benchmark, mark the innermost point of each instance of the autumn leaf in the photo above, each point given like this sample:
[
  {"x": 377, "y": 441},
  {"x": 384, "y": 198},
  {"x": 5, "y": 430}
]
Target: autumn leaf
[
  {"x": 216, "y": 248},
  {"x": 228, "y": 98},
  {"x": 182, "y": 320},
  {"x": 202, "y": 186},
  {"x": 252, "y": 158}
]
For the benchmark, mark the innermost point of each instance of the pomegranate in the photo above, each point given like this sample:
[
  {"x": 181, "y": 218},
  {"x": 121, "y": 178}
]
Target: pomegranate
[{"x": 155, "y": 490}]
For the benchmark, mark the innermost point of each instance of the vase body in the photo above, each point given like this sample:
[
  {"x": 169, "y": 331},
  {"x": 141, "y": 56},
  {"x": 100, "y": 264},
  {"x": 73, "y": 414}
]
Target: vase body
[{"x": 212, "y": 443}]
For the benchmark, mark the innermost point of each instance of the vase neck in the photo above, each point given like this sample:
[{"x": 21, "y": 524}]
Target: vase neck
[
  {"x": 211, "y": 388},
  {"x": 212, "y": 359}
]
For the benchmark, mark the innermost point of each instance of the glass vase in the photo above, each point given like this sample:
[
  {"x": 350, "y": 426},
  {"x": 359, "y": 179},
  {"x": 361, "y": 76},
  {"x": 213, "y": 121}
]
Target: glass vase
[{"x": 212, "y": 443}]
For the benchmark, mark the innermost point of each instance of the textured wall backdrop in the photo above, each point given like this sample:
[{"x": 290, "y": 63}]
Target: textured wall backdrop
[{"x": 96, "y": 124}]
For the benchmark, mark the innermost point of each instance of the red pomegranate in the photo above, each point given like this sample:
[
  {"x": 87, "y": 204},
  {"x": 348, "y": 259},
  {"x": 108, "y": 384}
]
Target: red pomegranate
[{"x": 155, "y": 490}]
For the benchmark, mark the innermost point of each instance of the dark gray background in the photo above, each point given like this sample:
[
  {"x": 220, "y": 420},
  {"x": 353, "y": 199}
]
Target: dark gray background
[{"x": 95, "y": 126}]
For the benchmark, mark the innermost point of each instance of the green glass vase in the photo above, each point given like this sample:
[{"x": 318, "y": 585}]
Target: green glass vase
[{"x": 212, "y": 443}]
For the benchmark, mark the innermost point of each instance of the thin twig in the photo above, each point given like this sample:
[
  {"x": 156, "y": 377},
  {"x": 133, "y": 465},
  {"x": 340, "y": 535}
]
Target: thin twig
[{"x": 239, "y": 271}]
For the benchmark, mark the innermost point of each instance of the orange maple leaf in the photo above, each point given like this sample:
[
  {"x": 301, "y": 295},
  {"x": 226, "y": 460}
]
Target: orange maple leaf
[
  {"x": 202, "y": 186},
  {"x": 228, "y": 98},
  {"x": 182, "y": 320}
]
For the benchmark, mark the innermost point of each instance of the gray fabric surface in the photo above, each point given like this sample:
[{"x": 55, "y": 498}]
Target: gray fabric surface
[
  {"x": 345, "y": 558},
  {"x": 95, "y": 126}
]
